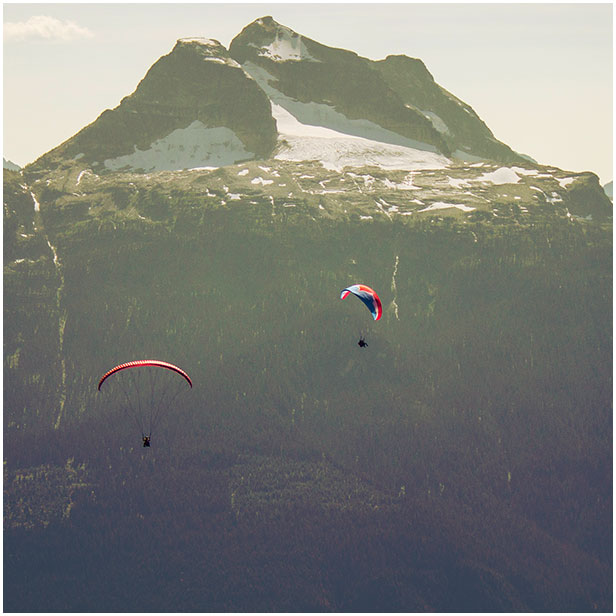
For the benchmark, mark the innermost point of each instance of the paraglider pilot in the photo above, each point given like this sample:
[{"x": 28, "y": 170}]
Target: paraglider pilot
[
  {"x": 146, "y": 440},
  {"x": 362, "y": 343}
]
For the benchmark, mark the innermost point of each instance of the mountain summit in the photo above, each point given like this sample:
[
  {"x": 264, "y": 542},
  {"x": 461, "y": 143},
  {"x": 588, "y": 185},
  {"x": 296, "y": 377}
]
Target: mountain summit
[
  {"x": 330, "y": 87},
  {"x": 276, "y": 92}
]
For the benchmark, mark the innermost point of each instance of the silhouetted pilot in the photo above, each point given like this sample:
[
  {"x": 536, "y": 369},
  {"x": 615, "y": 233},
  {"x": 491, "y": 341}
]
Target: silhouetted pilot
[
  {"x": 362, "y": 343},
  {"x": 146, "y": 441}
]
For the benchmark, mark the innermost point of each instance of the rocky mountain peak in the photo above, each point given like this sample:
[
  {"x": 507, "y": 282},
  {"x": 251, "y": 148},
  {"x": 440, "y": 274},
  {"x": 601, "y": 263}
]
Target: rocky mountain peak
[
  {"x": 267, "y": 39},
  {"x": 195, "y": 107},
  {"x": 202, "y": 105},
  {"x": 396, "y": 97},
  {"x": 207, "y": 49},
  {"x": 200, "y": 41},
  {"x": 412, "y": 66}
]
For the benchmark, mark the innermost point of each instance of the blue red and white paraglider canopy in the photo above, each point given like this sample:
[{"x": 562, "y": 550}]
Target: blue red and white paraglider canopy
[{"x": 366, "y": 295}]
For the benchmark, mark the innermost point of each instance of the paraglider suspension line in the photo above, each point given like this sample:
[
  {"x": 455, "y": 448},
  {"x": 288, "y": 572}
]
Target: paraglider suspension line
[{"x": 145, "y": 398}]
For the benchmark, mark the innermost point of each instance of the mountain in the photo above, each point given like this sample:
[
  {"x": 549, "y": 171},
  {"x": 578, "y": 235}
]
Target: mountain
[
  {"x": 277, "y": 96},
  {"x": 195, "y": 107},
  {"x": 330, "y": 87},
  {"x": 609, "y": 189},
  {"x": 395, "y": 100},
  {"x": 7, "y": 164},
  {"x": 202, "y": 105},
  {"x": 461, "y": 462},
  {"x": 466, "y": 135}
]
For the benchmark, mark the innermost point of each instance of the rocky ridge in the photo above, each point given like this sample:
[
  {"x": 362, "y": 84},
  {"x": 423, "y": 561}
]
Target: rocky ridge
[
  {"x": 195, "y": 106},
  {"x": 466, "y": 135},
  {"x": 202, "y": 105},
  {"x": 480, "y": 192}
]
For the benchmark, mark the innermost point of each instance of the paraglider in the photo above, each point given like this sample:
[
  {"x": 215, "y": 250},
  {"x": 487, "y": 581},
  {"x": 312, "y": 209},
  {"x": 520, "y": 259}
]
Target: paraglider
[
  {"x": 144, "y": 391},
  {"x": 366, "y": 295},
  {"x": 369, "y": 297}
]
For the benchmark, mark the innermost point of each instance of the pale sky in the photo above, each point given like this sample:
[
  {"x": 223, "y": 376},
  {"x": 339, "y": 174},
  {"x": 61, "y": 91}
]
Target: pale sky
[{"x": 539, "y": 75}]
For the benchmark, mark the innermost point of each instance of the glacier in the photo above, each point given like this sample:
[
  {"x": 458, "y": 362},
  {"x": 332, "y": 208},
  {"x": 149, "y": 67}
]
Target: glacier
[{"x": 335, "y": 150}]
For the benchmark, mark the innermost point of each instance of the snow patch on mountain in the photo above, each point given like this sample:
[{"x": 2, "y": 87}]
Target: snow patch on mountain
[
  {"x": 523, "y": 171},
  {"x": 564, "y": 182},
  {"x": 511, "y": 175},
  {"x": 211, "y": 50},
  {"x": 286, "y": 47},
  {"x": 437, "y": 122},
  {"x": 200, "y": 40},
  {"x": 261, "y": 181},
  {"x": 84, "y": 172},
  {"x": 504, "y": 175},
  {"x": 336, "y": 150},
  {"x": 440, "y": 205},
  {"x": 406, "y": 184},
  {"x": 228, "y": 61},
  {"x": 195, "y": 146},
  {"x": 458, "y": 183}
]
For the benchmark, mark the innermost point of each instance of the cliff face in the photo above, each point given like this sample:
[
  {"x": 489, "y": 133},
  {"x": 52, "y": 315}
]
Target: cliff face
[
  {"x": 465, "y": 133},
  {"x": 397, "y": 94},
  {"x": 195, "y": 107},
  {"x": 89, "y": 255},
  {"x": 310, "y": 73}
]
